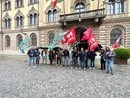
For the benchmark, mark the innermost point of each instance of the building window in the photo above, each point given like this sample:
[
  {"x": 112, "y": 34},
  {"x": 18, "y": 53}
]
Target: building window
[
  {"x": 19, "y": 39},
  {"x": 33, "y": 19},
  {"x": 116, "y": 7},
  {"x": 7, "y": 5},
  {"x": 52, "y": 16},
  {"x": 7, "y": 41},
  {"x": 19, "y": 21},
  {"x": 33, "y": 1},
  {"x": 51, "y": 37},
  {"x": 7, "y": 22},
  {"x": 19, "y": 3},
  {"x": 80, "y": 7},
  {"x": 33, "y": 39},
  {"x": 114, "y": 35}
]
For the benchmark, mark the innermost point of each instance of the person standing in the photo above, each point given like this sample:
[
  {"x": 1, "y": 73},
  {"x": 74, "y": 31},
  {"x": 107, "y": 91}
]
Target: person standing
[
  {"x": 59, "y": 56},
  {"x": 82, "y": 59},
  {"x": 32, "y": 57},
  {"x": 92, "y": 59},
  {"x": 37, "y": 56},
  {"x": 109, "y": 60},
  {"x": 51, "y": 56},
  {"x": 46, "y": 56},
  {"x": 102, "y": 60},
  {"x": 87, "y": 54},
  {"x": 66, "y": 57},
  {"x": 75, "y": 57},
  {"x": 43, "y": 56}
]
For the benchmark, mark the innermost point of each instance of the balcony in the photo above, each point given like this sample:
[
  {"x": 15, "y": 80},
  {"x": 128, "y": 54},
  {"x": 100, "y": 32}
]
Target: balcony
[{"x": 95, "y": 15}]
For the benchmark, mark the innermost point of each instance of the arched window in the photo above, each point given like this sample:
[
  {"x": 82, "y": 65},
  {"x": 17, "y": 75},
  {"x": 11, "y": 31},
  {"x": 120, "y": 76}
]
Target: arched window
[
  {"x": 33, "y": 18},
  {"x": 17, "y": 22},
  {"x": 7, "y": 41},
  {"x": 33, "y": 39},
  {"x": 55, "y": 15},
  {"x": 19, "y": 39},
  {"x": 7, "y": 22},
  {"x": 80, "y": 7},
  {"x": 114, "y": 35},
  {"x": 52, "y": 16},
  {"x": 7, "y": 5},
  {"x": 18, "y": 3},
  {"x": 51, "y": 37},
  {"x": 21, "y": 20}
]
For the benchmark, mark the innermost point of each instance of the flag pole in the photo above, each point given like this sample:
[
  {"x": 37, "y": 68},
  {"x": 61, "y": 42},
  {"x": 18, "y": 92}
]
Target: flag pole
[{"x": 64, "y": 9}]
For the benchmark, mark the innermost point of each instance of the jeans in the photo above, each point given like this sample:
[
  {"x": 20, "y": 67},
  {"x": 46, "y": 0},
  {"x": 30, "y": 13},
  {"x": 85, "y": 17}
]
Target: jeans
[
  {"x": 109, "y": 64},
  {"x": 82, "y": 63},
  {"x": 51, "y": 61},
  {"x": 37, "y": 60},
  {"x": 66, "y": 60},
  {"x": 75, "y": 61},
  {"x": 32, "y": 61},
  {"x": 92, "y": 63},
  {"x": 86, "y": 63},
  {"x": 59, "y": 60},
  {"x": 103, "y": 65}
]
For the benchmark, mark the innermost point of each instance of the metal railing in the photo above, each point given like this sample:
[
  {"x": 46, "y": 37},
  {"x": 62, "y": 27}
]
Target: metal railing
[{"x": 82, "y": 15}]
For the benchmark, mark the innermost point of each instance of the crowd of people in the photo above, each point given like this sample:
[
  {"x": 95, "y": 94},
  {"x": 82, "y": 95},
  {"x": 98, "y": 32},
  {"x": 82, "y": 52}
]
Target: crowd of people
[{"x": 79, "y": 58}]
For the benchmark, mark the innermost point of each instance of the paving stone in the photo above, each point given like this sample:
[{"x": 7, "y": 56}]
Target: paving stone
[{"x": 50, "y": 81}]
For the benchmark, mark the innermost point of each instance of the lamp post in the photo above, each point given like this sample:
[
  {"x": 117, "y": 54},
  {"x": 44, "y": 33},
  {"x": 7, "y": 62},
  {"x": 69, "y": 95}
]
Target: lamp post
[
  {"x": 64, "y": 23},
  {"x": 79, "y": 12},
  {"x": 97, "y": 16}
]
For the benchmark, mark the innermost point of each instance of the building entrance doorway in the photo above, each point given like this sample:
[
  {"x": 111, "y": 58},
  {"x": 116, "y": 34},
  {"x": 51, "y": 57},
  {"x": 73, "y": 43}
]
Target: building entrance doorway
[{"x": 79, "y": 35}]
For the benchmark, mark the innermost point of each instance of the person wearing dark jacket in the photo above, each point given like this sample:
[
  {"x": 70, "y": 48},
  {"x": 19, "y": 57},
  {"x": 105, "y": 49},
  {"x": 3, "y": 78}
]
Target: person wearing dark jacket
[
  {"x": 59, "y": 56},
  {"x": 66, "y": 57},
  {"x": 38, "y": 57},
  {"x": 32, "y": 57},
  {"x": 109, "y": 60},
  {"x": 102, "y": 59},
  {"x": 92, "y": 59},
  {"x": 75, "y": 57},
  {"x": 87, "y": 55},
  {"x": 82, "y": 59},
  {"x": 51, "y": 56}
]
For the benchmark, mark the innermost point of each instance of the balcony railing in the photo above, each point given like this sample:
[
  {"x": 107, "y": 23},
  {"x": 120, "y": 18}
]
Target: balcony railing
[{"x": 92, "y": 14}]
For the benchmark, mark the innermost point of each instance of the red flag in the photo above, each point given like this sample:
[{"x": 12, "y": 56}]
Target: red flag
[
  {"x": 70, "y": 36},
  {"x": 54, "y": 3},
  {"x": 115, "y": 45},
  {"x": 84, "y": 38},
  {"x": 87, "y": 34},
  {"x": 92, "y": 42}
]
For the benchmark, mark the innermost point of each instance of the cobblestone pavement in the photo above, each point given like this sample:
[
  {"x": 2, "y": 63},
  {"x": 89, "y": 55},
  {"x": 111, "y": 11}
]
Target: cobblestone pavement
[{"x": 47, "y": 81}]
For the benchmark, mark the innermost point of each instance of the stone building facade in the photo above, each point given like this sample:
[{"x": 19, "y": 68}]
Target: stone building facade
[{"x": 37, "y": 18}]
